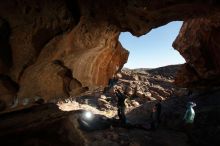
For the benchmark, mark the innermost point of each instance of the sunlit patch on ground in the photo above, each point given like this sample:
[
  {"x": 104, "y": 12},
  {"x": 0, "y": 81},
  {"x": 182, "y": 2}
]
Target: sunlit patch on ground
[{"x": 73, "y": 105}]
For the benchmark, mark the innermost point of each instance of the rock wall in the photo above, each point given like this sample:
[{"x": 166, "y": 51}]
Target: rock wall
[
  {"x": 86, "y": 51},
  {"x": 198, "y": 43},
  {"x": 53, "y": 52},
  {"x": 53, "y": 49}
]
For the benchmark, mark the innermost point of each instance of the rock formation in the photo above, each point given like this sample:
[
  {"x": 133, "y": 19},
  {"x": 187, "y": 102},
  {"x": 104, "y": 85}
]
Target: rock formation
[
  {"x": 149, "y": 84},
  {"x": 53, "y": 49},
  {"x": 52, "y": 54},
  {"x": 198, "y": 44}
]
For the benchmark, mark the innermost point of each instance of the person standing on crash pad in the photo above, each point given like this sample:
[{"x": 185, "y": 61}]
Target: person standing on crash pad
[{"x": 121, "y": 105}]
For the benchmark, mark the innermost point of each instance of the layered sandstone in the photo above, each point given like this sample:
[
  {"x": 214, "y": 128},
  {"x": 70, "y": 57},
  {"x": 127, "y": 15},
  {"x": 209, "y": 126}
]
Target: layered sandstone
[{"x": 52, "y": 54}]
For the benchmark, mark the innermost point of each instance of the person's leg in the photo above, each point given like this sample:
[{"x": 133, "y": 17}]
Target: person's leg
[
  {"x": 152, "y": 125},
  {"x": 188, "y": 129},
  {"x": 119, "y": 113},
  {"x": 123, "y": 115}
]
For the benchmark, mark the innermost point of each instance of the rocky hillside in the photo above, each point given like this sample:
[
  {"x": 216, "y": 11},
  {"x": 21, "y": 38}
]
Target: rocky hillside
[
  {"x": 166, "y": 71},
  {"x": 152, "y": 84}
]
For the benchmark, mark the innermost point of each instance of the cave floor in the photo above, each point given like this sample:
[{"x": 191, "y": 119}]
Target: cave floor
[
  {"x": 124, "y": 136},
  {"x": 48, "y": 125}
]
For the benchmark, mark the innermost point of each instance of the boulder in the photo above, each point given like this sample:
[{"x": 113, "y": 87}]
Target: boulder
[
  {"x": 134, "y": 103},
  {"x": 140, "y": 93},
  {"x": 161, "y": 91},
  {"x": 136, "y": 77},
  {"x": 156, "y": 95}
]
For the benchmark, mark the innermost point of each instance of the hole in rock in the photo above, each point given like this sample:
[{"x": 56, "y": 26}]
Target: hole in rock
[{"x": 153, "y": 49}]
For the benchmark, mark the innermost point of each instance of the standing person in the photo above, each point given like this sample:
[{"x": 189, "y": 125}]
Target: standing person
[
  {"x": 158, "y": 110},
  {"x": 111, "y": 83},
  {"x": 153, "y": 118},
  {"x": 121, "y": 105},
  {"x": 189, "y": 119},
  {"x": 190, "y": 113},
  {"x": 155, "y": 115}
]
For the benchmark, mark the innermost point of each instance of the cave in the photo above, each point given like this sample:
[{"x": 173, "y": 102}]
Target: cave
[{"x": 51, "y": 50}]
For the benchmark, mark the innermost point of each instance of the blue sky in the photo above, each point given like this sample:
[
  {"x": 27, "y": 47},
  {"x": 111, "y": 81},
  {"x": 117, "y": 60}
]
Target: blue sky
[{"x": 153, "y": 49}]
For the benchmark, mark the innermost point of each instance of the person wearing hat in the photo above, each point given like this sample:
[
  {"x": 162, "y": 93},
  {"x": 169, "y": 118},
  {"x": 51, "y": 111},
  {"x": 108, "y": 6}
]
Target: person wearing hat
[{"x": 189, "y": 119}]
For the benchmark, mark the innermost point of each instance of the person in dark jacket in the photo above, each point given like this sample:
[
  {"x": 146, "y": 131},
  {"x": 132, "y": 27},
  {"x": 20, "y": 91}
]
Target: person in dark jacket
[
  {"x": 121, "y": 105},
  {"x": 111, "y": 83},
  {"x": 153, "y": 118},
  {"x": 155, "y": 115},
  {"x": 158, "y": 110}
]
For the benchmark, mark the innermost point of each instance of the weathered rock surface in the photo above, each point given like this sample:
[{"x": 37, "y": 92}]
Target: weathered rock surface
[
  {"x": 198, "y": 43},
  {"x": 150, "y": 84},
  {"x": 55, "y": 53},
  {"x": 42, "y": 125}
]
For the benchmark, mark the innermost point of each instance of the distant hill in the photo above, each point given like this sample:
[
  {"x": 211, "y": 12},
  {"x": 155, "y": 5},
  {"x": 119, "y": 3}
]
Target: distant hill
[{"x": 166, "y": 71}]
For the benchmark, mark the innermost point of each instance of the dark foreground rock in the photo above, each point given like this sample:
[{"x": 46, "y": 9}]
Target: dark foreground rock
[
  {"x": 40, "y": 125},
  {"x": 47, "y": 125}
]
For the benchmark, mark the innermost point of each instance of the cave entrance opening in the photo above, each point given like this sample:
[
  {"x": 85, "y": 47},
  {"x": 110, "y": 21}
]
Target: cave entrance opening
[{"x": 153, "y": 49}]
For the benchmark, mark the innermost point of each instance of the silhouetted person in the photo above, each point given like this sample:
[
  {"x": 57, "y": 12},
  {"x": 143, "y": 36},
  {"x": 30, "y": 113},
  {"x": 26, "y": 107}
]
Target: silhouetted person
[
  {"x": 121, "y": 105},
  {"x": 111, "y": 83},
  {"x": 155, "y": 115},
  {"x": 153, "y": 118},
  {"x": 158, "y": 110}
]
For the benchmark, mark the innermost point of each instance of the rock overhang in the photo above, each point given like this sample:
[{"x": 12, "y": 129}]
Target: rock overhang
[{"x": 83, "y": 36}]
